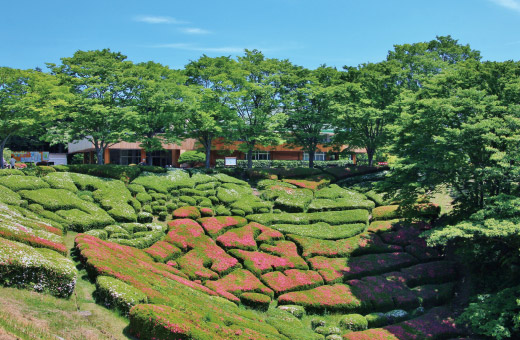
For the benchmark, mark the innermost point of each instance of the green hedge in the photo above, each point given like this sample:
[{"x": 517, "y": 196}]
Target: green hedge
[
  {"x": 353, "y": 322},
  {"x": 8, "y": 196},
  {"x": 17, "y": 183},
  {"x": 339, "y": 204},
  {"x": 288, "y": 164},
  {"x": 256, "y": 301},
  {"x": 40, "y": 269},
  {"x": 60, "y": 180},
  {"x": 116, "y": 294},
  {"x": 330, "y": 217},
  {"x": 11, "y": 172},
  {"x": 386, "y": 212},
  {"x": 322, "y": 230},
  {"x": 122, "y": 172}
]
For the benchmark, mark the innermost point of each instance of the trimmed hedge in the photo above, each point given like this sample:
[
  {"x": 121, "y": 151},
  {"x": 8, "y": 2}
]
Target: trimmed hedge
[
  {"x": 17, "y": 183},
  {"x": 354, "y": 322},
  {"x": 387, "y": 212},
  {"x": 40, "y": 269},
  {"x": 256, "y": 301},
  {"x": 336, "y": 298},
  {"x": 187, "y": 212},
  {"x": 60, "y": 180},
  {"x": 11, "y": 172},
  {"x": 116, "y": 294},
  {"x": 8, "y": 196},
  {"x": 330, "y": 217},
  {"x": 322, "y": 230}
]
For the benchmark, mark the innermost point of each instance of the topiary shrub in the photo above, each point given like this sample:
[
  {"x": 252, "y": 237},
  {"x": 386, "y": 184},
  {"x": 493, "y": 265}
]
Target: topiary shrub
[
  {"x": 116, "y": 294},
  {"x": 376, "y": 320},
  {"x": 256, "y": 301},
  {"x": 192, "y": 157},
  {"x": 187, "y": 212},
  {"x": 297, "y": 311},
  {"x": 354, "y": 322},
  {"x": 163, "y": 215},
  {"x": 99, "y": 233},
  {"x": 387, "y": 212},
  {"x": 206, "y": 212}
]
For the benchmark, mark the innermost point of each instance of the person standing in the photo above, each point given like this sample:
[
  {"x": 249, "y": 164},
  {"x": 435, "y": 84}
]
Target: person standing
[{"x": 12, "y": 161}]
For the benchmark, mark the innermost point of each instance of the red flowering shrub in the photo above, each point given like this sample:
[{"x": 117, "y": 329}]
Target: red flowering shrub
[
  {"x": 186, "y": 212},
  {"x": 382, "y": 226},
  {"x": 163, "y": 251},
  {"x": 292, "y": 279},
  {"x": 339, "y": 269},
  {"x": 216, "y": 226},
  {"x": 238, "y": 282},
  {"x": 337, "y": 298},
  {"x": 307, "y": 184},
  {"x": 256, "y": 301},
  {"x": 402, "y": 237}
]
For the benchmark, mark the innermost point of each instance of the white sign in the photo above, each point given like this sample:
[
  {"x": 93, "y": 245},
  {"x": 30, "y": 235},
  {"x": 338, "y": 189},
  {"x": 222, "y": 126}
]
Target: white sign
[{"x": 230, "y": 161}]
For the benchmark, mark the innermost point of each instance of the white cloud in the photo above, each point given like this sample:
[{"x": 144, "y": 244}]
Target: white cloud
[
  {"x": 510, "y": 4},
  {"x": 191, "y": 47},
  {"x": 159, "y": 20},
  {"x": 194, "y": 30}
]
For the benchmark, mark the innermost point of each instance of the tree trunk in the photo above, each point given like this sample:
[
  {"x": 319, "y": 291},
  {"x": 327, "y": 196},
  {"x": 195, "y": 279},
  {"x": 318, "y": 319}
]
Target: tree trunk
[
  {"x": 99, "y": 153},
  {"x": 2, "y": 146},
  {"x": 207, "y": 147},
  {"x": 250, "y": 158},
  {"x": 311, "y": 158},
  {"x": 370, "y": 155},
  {"x": 148, "y": 158}
]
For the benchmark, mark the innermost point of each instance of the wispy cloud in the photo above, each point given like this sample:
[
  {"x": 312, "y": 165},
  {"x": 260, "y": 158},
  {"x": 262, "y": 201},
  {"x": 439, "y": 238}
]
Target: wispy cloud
[
  {"x": 510, "y": 4},
  {"x": 191, "y": 47},
  {"x": 194, "y": 30},
  {"x": 159, "y": 20}
]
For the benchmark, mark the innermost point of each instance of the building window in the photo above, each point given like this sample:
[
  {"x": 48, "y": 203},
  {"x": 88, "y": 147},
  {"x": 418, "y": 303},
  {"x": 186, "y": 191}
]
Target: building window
[
  {"x": 161, "y": 158},
  {"x": 318, "y": 156},
  {"x": 125, "y": 157},
  {"x": 261, "y": 155}
]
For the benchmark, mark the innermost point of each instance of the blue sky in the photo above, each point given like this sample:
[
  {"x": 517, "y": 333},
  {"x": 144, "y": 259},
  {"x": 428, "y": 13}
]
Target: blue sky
[{"x": 309, "y": 33}]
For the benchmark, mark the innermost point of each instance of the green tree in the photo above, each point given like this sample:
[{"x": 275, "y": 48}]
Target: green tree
[
  {"x": 363, "y": 106},
  {"x": 99, "y": 111},
  {"x": 28, "y": 99},
  {"x": 306, "y": 101},
  {"x": 207, "y": 115},
  {"x": 155, "y": 94},
  {"x": 460, "y": 129},
  {"x": 254, "y": 94}
]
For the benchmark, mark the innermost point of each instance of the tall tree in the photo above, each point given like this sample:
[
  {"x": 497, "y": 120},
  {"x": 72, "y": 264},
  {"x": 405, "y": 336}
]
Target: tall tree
[
  {"x": 28, "y": 99},
  {"x": 306, "y": 100},
  {"x": 99, "y": 111},
  {"x": 254, "y": 95},
  {"x": 155, "y": 94},
  {"x": 460, "y": 129},
  {"x": 362, "y": 106},
  {"x": 207, "y": 115}
]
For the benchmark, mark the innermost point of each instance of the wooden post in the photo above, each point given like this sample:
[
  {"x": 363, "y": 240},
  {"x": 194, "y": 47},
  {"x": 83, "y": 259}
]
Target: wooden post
[{"x": 107, "y": 156}]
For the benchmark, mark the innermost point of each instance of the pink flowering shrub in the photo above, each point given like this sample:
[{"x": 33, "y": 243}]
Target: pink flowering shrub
[
  {"x": 246, "y": 238},
  {"x": 337, "y": 298},
  {"x": 163, "y": 251},
  {"x": 291, "y": 280},
  {"x": 382, "y": 226},
  {"x": 339, "y": 269},
  {"x": 430, "y": 272},
  {"x": 186, "y": 212},
  {"x": 238, "y": 282},
  {"x": 313, "y": 185},
  {"x": 207, "y": 212},
  {"x": 216, "y": 226}
]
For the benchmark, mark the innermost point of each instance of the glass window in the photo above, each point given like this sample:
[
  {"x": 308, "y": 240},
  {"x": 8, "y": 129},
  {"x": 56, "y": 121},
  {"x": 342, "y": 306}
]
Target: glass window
[
  {"x": 261, "y": 155},
  {"x": 125, "y": 157},
  {"x": 318, "y": 156}
]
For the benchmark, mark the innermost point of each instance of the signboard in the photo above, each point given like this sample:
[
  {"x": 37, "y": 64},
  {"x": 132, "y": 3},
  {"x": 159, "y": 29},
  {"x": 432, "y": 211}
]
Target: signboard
[
  {"x": 382, "y": 163},
  {"x": 230, "y": 161},
  {"x": 31, "y": 156}
]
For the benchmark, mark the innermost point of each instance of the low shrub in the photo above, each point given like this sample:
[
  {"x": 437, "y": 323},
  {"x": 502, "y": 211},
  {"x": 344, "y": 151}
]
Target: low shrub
[
  {"x": 60, "y": 180},
  {"x": 256, "y": 301},
  {"x": 215, "y": 226},
  {"x": 187, "y": 212},
  {"x": 376, "y": 320},
  {"x": 229, "y": 179},
  {"x": 136, "y": 188},
  {"x": 189, "y": 200},
  {"x": 121, "y": 172},
  {"x": 163, "y": 215},
  {"x": 144, "y": 240},
  {"x": 11, "y": 172},
  {"x": 144, "y": 217},
  {"x": 307, "y": 184},
  {"x": 116, "y": 294},
  {"x": 238, "y": 282},
  {"x": 297, "y": 311},
  {"x": 338, "y": 298},
  {"x": 328, "y": 330},
  {"x": 354, "y": 322},
  {"x": 387, "y": 212},
  {"x": 143, "y": 197},
  {"x": 191, "y": 157},
  {"x": 330, "y": 217},
  {"x": 8, "y": 196},
  {"x": 292, "y": 280},
  {"x": 163, "y": 251},
  {"x": 40, "y": 269},
  {"x": 17, "y": 183},
  {"x": 222, "y": 211},
  {"x": 99, "y": 233},
  {"x": 322, "y": 230},
  {"x": 375, "y": 197}
]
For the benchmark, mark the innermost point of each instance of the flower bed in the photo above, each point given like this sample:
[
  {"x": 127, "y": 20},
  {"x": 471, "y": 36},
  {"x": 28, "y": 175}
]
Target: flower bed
[
  {"x": 215, "y": 226},
  {"x": 339, "y": 269},
  {"x": 322, "y": 230},
  {"x": 114, "y": 293},
  {"x": 238, "y": 282},
  {"x": 291, "y": 280},
  {"x": 357, "y": 245},
  {"x": 335, "y": 298},
  {"x": 246, "y": 237},
  {"x": 36, "y": 268},
  {"x": 187, "y": 212},
  {"x": 163, "y": 251},
  {"x": 431, "y": 272}
]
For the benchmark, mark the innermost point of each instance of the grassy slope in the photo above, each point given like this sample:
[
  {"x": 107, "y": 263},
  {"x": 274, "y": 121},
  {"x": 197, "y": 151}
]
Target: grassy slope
[{"x": 29, "y": 315}]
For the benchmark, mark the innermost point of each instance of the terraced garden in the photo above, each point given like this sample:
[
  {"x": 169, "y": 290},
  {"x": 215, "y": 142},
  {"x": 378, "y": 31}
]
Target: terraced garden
[{"x": 208, "y": 257}]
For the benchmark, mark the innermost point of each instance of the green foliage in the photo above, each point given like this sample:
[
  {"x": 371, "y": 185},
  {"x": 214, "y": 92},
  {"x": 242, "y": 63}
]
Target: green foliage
[
  {"x": 60, "y": 180},
  {"x": 8, "y": 196},
  {"x": 122, "y": 172},
  {"x": 323, "y": 230},
  {"x": 114, "y": 293},
  {"x": 495, "y": 315},
  {"x": 330, "y": 217},
  {"x": 354, "y": 322},
  {"x": 192, "y": 157},
  {"x": 17, "y": 183}
]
